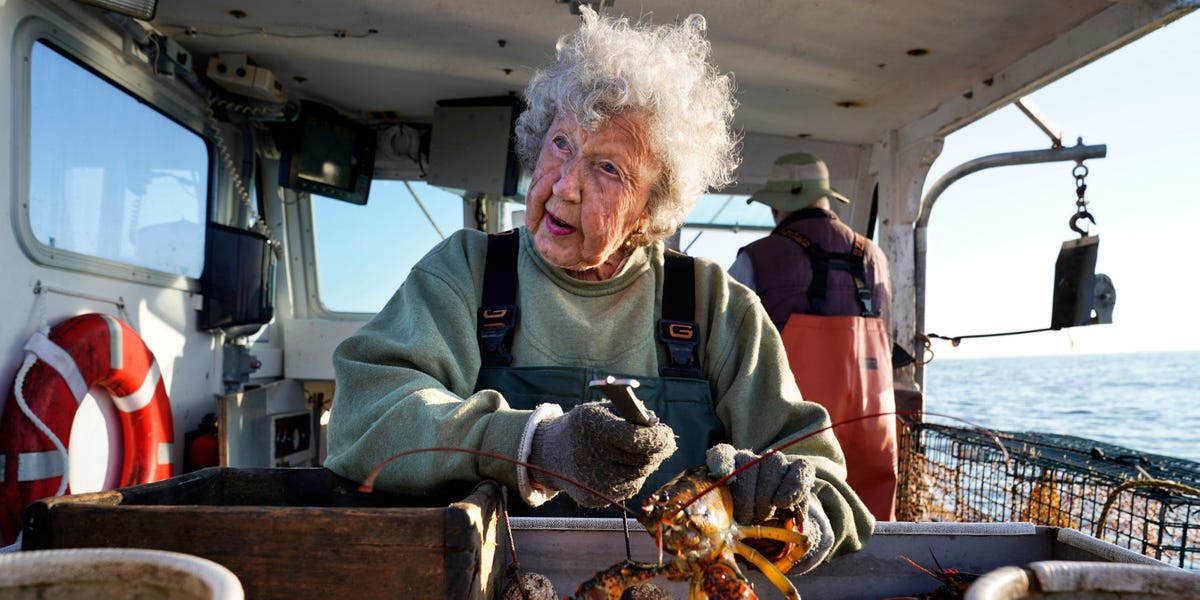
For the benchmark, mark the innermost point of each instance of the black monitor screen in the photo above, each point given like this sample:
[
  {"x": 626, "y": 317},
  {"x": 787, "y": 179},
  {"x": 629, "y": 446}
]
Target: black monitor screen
[
  {"x": 328, "y": 154},
  {"x": 238, "y": 282}
]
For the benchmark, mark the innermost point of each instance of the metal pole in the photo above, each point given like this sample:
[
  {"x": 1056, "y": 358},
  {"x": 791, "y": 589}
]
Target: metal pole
[{"x": 1078, "y": 152}]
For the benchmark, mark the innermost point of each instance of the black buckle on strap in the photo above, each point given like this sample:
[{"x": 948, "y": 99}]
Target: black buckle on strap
[
  {"x": 864, "y": 298},
  {"x": 495, "y": 331},
  {"x": 681, "y": 339}
]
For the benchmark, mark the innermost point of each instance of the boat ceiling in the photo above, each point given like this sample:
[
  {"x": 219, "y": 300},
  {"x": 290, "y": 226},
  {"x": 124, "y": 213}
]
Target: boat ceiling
[{"x": 841, "y": 71}]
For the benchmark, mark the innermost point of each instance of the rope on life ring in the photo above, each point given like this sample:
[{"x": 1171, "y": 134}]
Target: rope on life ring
[{"x": 87, "y": 351}]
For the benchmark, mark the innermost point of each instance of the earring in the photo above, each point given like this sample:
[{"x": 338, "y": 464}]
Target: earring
[{"x": 629, "y": 241}]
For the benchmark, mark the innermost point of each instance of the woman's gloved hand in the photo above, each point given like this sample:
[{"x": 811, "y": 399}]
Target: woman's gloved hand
[
  {"x": 778, "y": 482},
  {"x": 592, "y": 445}
]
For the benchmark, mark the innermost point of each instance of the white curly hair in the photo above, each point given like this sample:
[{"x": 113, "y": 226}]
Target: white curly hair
[{"x": 610, "y": 67}]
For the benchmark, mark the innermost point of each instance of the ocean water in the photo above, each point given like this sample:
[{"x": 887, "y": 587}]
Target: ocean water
[{"x": 1148, "y": 402}]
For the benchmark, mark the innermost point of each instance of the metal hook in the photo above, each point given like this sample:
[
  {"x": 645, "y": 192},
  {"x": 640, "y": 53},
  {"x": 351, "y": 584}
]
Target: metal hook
[
  {"x": 1080, "y": 173},
  {"x": 1083, "y": 214}
]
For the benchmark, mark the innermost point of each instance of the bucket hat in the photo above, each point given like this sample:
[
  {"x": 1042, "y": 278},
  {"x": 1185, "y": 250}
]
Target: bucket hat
[{"x": 796, "y": 181}]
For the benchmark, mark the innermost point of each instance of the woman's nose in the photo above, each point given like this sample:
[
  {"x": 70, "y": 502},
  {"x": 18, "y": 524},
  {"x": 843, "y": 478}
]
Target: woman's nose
[{"x": 567, "y": 185}]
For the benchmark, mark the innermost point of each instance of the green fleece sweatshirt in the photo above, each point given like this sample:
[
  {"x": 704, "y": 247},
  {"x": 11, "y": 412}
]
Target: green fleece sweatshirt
[{"x": 406, "y": 379}]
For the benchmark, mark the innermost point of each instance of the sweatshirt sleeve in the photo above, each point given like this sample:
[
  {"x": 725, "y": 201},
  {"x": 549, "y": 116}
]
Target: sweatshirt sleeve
[
  {"x": 762, "y": 408},
  {"x": 404, "y": 382}
]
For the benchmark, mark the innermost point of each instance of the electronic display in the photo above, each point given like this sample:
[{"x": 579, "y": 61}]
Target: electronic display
[{"x": 325, "y": 153}]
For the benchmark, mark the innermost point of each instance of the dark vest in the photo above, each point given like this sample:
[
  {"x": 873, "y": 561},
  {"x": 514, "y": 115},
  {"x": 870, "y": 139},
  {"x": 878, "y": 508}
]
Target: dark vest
[
  {"x": 678, "y": 394},
  {"x": 790, "y": 282}
]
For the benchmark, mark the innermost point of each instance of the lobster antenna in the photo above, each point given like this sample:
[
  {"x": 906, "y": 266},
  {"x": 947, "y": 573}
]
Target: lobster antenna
[
  {"x": 797, "y": 440},
  {"x": 368, "y": 483}
]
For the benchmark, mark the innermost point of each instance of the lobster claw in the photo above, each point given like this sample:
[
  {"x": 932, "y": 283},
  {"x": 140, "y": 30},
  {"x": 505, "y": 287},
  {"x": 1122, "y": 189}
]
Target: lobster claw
[{"x": 774, "y": 550}]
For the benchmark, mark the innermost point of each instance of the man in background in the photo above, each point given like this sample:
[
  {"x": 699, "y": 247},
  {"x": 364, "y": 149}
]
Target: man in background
[{"x": 827, "y": 290}]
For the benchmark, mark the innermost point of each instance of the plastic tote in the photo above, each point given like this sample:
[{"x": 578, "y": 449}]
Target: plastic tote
[
  {"x": 112, "y": 573},
  {"x": 1068, "y": 579}
]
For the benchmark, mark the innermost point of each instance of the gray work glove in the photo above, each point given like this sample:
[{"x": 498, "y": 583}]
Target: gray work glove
[
  {"x": 594, "y": 446},
  {"x": 778, "y": 482}
]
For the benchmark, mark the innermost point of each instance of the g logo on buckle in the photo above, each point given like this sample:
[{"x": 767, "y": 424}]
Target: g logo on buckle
[{"x": 681, "y": 331}]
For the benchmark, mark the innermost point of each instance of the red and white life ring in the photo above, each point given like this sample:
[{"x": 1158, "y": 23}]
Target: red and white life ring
[{"x": 91, "y": 350}]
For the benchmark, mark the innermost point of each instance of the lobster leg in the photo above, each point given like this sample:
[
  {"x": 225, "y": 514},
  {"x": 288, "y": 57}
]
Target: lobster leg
[
  {"x": 609, "y": 583},
  {"x": 723, "y": 581},
  {"x": 773, "y": 574},
  {"x": 800, "y": 543}
]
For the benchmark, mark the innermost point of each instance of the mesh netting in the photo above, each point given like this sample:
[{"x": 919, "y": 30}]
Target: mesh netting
[{"x": 1145, "y": 502}]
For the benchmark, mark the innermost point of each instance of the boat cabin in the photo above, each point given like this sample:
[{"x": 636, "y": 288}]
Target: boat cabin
[{"x": 244, "y": 184}]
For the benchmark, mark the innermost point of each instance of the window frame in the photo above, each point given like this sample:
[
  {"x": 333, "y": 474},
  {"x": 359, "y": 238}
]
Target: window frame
[{"x": 105, "y": 60}]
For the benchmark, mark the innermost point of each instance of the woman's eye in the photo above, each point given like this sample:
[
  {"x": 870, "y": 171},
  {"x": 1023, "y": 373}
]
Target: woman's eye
[
  {"x": 559, "y": 142},
  {"x": 610, "y": 168}
]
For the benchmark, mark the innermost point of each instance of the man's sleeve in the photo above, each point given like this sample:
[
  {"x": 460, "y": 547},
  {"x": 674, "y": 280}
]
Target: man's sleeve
[{"x": 742, "y": 271}]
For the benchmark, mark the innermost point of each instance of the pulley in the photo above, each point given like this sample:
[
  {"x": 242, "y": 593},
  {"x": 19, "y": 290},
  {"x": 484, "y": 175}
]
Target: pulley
[{"x": 1081, "y": 297}]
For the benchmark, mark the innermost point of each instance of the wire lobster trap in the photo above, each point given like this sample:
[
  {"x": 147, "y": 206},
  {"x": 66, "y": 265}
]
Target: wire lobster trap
[{"x": 1144, "y": 502}]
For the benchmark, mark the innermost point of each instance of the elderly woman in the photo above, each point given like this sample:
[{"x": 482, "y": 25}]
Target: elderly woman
[{"x": 491, "y": 341}]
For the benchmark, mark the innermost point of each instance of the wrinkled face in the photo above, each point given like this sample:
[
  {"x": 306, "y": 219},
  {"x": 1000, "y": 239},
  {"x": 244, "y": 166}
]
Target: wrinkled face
[{"x": 589, "y": 191}]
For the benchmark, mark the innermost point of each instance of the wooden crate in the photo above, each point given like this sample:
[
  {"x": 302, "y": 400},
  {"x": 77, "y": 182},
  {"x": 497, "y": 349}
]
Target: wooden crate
[{"x": 293, "y": 533}]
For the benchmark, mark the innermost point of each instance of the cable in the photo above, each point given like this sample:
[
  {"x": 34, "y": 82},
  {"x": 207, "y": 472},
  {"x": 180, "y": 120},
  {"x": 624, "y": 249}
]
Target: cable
[
  {"x": 954, "y": 341},
  {"x": 712, "y": 220},
  {"x": 191, "y": 31},
  {"x": 259, "y": 223},
  {"x": 422, "y": 207}
]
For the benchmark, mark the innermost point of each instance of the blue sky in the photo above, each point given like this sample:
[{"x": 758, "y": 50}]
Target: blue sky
[{"x": 994, "y": 235}]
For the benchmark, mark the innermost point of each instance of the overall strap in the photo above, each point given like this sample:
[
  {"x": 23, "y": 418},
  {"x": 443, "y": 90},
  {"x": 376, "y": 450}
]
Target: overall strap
[
  {"x": 853, "y": 262},
  {"x": 677, "y": 328},
  {"x": 498, "y": 312}
]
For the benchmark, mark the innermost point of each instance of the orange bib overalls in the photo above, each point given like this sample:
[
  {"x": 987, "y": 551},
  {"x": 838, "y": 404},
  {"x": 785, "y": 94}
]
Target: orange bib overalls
[{"x": 844, "y": 363}]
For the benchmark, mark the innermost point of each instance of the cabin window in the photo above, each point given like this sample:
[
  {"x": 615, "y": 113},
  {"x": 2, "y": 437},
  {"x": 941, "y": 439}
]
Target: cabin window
[
  {"x": 364, "y": 252},
  {"x": 110, "y": 177},
  {"x": 720, "y": 224}
]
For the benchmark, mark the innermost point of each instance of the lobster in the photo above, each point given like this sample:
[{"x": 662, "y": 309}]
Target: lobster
[
  {"x": 692, "y": 520},
  {"x": 954, "y": 582},
  {"x": 691, "y": 516}
]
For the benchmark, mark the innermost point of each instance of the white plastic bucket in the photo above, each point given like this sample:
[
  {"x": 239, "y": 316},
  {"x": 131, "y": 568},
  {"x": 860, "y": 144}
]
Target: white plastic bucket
[
  {"x": 114, "y": 573},
  {"x": 1068, "y": 579}
]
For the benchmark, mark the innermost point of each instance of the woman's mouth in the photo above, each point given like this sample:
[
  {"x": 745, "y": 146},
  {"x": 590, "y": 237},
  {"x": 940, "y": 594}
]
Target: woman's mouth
[{"x": 556, "y": 226}]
